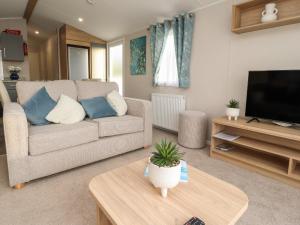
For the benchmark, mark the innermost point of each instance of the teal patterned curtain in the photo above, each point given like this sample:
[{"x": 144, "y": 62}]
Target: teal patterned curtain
[
  {"x": 158, "y": 36},
  {"x": 183, "y": 27}
]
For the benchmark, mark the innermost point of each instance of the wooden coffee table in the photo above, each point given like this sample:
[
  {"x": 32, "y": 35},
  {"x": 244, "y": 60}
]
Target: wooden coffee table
[{"x": 125, "y": 197}]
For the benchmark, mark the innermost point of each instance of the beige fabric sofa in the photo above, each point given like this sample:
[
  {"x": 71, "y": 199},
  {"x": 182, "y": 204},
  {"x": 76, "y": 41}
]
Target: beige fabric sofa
[{"x": 38, "y": 151}]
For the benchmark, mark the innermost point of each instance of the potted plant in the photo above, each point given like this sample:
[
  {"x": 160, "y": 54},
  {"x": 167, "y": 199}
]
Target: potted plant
[
  {"x": 165, "y": 166},
  {"x": 233, "y": 109},
  {"x": 14, "y": 72}
]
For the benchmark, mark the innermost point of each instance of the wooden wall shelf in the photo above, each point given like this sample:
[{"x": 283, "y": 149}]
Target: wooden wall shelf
[
  {"x": 265, "y": 148},
  {"x": 246, "y": 17}
]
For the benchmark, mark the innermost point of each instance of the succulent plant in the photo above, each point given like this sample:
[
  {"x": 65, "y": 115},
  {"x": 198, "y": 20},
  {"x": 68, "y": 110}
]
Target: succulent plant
[
  {"x": 166, "y": 154},
  {"x": 233, "y": 104}
]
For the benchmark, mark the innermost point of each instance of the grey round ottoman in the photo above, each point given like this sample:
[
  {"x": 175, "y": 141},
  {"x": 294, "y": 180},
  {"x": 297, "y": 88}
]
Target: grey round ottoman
[{"x": 192, "y": 129}]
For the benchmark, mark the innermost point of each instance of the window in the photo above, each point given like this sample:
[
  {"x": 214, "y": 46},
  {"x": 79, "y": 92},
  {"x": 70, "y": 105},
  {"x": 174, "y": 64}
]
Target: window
[
  {"x": 115, "y": 64},
  {"x": 167, "y": 70},
  {"x": 99, "y": 62}
]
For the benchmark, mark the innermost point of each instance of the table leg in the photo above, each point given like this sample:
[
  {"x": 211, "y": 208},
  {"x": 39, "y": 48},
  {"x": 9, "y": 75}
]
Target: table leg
[{"x": 101, "y": 218}]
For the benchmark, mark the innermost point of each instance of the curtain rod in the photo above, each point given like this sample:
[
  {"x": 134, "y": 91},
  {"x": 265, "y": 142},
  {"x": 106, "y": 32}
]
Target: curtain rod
[
  {"x": 207, "y": 6},
  {"x": 202, "y": 7},
  {"x": 190, "y": 14}
]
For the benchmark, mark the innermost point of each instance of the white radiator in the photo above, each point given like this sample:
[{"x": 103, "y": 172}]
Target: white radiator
[{"x": 166, "y": 109}]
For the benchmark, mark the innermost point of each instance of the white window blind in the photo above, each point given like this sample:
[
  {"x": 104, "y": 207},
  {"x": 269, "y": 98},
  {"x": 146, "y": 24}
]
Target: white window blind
[{"x": 167, "y": 71}]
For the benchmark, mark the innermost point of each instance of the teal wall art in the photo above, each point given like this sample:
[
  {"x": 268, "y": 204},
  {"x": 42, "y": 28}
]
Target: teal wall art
[{"x": 138, "y": 56}]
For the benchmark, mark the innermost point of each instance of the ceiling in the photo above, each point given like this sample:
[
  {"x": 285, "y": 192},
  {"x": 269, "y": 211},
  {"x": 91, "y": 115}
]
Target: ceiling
[
  {"x": 106, "y": 19},
  {"x": 12, "y": 8}
]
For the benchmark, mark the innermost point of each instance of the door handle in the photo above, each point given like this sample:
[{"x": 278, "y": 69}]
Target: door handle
[{"x": 4, "y": 53}]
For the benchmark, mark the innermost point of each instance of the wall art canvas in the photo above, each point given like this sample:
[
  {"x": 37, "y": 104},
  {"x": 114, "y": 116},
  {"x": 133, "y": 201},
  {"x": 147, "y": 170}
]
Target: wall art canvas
[{"x": 138, "y": 56}]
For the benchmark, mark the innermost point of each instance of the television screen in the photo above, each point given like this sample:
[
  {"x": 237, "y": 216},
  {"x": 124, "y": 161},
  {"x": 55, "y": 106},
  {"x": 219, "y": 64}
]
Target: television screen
[{"x": 274, "y": 95}]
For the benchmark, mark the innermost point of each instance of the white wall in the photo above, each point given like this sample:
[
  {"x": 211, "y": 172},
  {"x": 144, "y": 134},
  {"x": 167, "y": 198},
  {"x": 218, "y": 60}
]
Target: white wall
[
  {"x": 20, "y": 24},
  {"x": 221, "y": 60}
]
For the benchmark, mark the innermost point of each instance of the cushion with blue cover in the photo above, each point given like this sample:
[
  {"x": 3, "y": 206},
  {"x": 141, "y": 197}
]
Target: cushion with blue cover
[
  {"x": 97, "y": 107},
  {"x": 38, "y": 107}
]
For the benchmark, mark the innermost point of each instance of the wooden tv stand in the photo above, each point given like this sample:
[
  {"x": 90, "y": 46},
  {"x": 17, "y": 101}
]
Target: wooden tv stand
[{"x": 262, "y": 147}]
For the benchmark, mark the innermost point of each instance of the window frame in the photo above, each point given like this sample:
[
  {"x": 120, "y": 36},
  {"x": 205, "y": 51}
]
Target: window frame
[
  {"x": 91, "y": 50},
  {"x": 113, "y": 44}
]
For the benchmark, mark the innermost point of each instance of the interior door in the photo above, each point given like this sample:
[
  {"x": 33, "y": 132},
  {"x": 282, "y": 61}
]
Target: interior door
[{"x": 78, "y": 60}]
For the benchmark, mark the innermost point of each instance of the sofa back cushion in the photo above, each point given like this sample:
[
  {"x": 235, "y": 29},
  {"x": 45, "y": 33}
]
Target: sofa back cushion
[
  {"x": 91, "y": 89},
  {"x": 26, "y": 89}
]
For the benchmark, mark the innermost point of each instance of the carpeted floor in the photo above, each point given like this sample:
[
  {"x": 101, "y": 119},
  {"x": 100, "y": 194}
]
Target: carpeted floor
[{"x": 64, "y": 199}]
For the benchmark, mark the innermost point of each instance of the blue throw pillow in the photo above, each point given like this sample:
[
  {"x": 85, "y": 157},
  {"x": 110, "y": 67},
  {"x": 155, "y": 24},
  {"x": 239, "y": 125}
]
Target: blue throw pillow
[
  {"x": 97, "y": 107},
  {"x": 38, "y": 107}
]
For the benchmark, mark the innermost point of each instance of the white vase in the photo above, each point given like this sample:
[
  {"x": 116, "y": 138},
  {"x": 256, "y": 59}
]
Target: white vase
[
  {"x": 270, "y": 13},
  {"x": 232, "y": 113},
  {"x": 164, "y": 177}
]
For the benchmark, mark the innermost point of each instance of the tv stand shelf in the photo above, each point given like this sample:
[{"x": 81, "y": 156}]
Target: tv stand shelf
[{"x": 262, "y": 147}]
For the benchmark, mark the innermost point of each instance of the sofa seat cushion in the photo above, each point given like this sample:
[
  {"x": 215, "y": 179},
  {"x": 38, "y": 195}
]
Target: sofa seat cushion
[
  {"x": 111, "y": 126},
  {"x": 52, "y": 137}
]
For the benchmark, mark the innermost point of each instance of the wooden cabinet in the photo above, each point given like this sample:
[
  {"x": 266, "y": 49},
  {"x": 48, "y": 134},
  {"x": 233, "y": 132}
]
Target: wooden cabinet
[
  {"x": 263, "y": 147},
  {"x": 12, "y": 47},
  {"x": 11, "y": 89},
  {"x": 10, "y": 86}
]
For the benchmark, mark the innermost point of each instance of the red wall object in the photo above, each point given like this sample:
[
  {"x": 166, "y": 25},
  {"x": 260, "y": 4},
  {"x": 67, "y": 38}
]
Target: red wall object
[{"x": 12, "y": 31}]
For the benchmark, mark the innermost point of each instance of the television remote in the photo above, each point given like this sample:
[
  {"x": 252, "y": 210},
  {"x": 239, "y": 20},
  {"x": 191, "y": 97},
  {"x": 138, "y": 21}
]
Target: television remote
[{"x": 194, "y": 221}]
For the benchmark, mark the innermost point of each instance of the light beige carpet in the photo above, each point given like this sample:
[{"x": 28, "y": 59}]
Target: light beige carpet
[{"x": 64, "y": 199}]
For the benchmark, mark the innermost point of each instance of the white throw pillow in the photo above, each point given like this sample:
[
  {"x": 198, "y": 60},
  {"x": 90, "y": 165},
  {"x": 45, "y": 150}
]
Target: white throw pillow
[
  {"x": 66, "y": 111},
  {"x": 117, "y": 102}
]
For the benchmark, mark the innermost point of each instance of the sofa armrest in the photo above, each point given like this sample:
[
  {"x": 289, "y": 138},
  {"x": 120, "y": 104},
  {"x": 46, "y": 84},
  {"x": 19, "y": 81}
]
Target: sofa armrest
[
  {"x": 15, "y": 131},
  {"x": 142, "y": 108}
]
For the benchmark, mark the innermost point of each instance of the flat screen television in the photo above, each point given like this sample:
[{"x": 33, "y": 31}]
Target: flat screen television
[{"x": 274, "y": 95}]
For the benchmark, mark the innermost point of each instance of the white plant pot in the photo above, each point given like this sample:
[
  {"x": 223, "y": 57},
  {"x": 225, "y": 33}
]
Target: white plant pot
[
  {"x": 232, "y": 113},
  {"x": 164, "y": 177}
]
